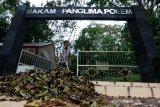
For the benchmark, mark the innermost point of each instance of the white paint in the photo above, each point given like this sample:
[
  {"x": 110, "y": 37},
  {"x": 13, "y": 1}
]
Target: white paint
[
  {"x": 24, "y": 68},
  {"x": 41, "y": 11}
]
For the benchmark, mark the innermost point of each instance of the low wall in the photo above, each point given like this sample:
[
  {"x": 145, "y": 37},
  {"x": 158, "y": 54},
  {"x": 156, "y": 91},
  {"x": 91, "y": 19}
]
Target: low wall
[{"x": 133, "y": 89}]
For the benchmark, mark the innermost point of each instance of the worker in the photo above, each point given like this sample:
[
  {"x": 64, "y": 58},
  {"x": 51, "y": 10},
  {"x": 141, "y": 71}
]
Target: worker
[{"x": 65, "y": 54}]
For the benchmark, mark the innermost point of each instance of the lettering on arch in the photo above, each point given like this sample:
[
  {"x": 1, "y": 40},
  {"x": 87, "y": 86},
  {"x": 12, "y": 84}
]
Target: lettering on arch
[{"x": 119, "y": 13}]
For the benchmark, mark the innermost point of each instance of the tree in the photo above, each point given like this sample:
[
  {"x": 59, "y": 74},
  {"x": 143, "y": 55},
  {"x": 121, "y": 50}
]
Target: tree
[
  {"x": 97, "y": 36},
  {"x": 151, "y": 8},
  {"x": 88, "y": 38},
  {"x": 155, "y": 23},
  {"x": 7, "y": 9},
  {"x": 39, "y": 31},
  {"x": 3, "y": 28},
  {"x": 126, "y": 38}
]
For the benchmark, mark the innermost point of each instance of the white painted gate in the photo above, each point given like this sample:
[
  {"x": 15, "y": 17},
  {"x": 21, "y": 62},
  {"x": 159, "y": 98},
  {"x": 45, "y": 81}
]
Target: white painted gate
[{"x": 106, "y": 65}]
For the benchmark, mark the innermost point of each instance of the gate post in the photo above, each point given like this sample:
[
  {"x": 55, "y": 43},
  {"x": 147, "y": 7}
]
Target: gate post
[
  {"x": 12, "y": 46},
  {"x": 77, "y": 62},
  {"x": 143, "y": 44}
]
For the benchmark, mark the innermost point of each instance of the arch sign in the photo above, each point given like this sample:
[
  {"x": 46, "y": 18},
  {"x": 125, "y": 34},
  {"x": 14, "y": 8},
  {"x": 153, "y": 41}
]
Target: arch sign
[
  {"x": 79, "y": 13},
  {"x": 145, "y": 51}
]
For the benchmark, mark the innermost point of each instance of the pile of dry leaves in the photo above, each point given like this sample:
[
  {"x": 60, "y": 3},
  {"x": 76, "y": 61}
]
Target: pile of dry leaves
[
  {"x": 51, "y": 88},
  {"x": 55, "y": 89}
]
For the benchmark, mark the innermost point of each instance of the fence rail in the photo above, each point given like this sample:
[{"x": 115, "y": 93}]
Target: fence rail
[
  {"x": 104, "y": 65},
  {"x": 35, "y": 61}
]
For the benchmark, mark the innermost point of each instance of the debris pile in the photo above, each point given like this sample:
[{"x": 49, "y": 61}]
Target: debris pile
[
  {"x": 56, "y": 89},
  {"x": 34, "y": 85}
]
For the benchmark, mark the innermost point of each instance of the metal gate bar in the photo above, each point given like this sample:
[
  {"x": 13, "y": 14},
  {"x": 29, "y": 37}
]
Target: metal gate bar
[{"x": 105, "y": 64}]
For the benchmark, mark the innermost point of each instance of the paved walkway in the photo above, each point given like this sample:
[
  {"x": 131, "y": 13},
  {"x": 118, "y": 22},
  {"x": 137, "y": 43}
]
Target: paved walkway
[
  {"x": 115, "y": 89},
  {"x": 12, "y": 104},
  {"x": 133, "y": 89}
]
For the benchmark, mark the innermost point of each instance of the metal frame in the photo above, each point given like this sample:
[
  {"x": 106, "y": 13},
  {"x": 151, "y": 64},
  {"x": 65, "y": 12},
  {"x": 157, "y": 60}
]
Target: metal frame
[
  {"x": 28, "y": 59},
  {"x": 109, "y": 57}
]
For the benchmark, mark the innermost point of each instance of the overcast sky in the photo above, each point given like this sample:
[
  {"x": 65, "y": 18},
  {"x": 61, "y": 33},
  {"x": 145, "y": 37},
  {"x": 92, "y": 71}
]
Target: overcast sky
[{"x": 37, "y": 2}]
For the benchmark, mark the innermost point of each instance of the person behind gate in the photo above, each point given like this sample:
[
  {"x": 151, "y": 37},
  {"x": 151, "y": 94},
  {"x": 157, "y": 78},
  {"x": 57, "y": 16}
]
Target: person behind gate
[{"x": 65, "y": 54}]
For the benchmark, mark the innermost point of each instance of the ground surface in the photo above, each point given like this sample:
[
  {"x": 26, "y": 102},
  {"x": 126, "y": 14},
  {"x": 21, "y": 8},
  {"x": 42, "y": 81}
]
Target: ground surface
[
  {"x": 100, "y": 101},
  {"x": 57, "y": 89}
]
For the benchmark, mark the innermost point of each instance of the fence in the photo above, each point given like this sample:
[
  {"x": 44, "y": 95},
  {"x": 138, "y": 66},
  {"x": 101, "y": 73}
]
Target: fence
[
  {"x": 31, "y": 61},
  {"x": 106, "y": 65}
]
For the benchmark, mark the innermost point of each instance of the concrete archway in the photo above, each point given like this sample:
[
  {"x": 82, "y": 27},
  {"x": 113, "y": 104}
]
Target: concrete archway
[{"x": 145, "y": 51}]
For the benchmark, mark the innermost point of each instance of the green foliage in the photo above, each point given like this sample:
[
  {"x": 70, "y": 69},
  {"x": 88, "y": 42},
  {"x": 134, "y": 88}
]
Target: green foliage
[
  {"x": 73, "y": 66},
  {"x": 134, "y": 78},
  {"x": 3, "y": 28},
  {"x": 65, "y": 3},
  {"x": 155, "y": 23},
  {"x": 103, "y": 37},
  {"x": 131, "y": 78},
  {"x": 110, "y": 3},
  {"x": 126, "y": 38},
  {"x": 10, "y": 5},
  {"x": 7, "y": 10},
  {"x": 88, "y": 38},
  {"x": 150, "y": 7},
  {"x": 38, "y": 31}
]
